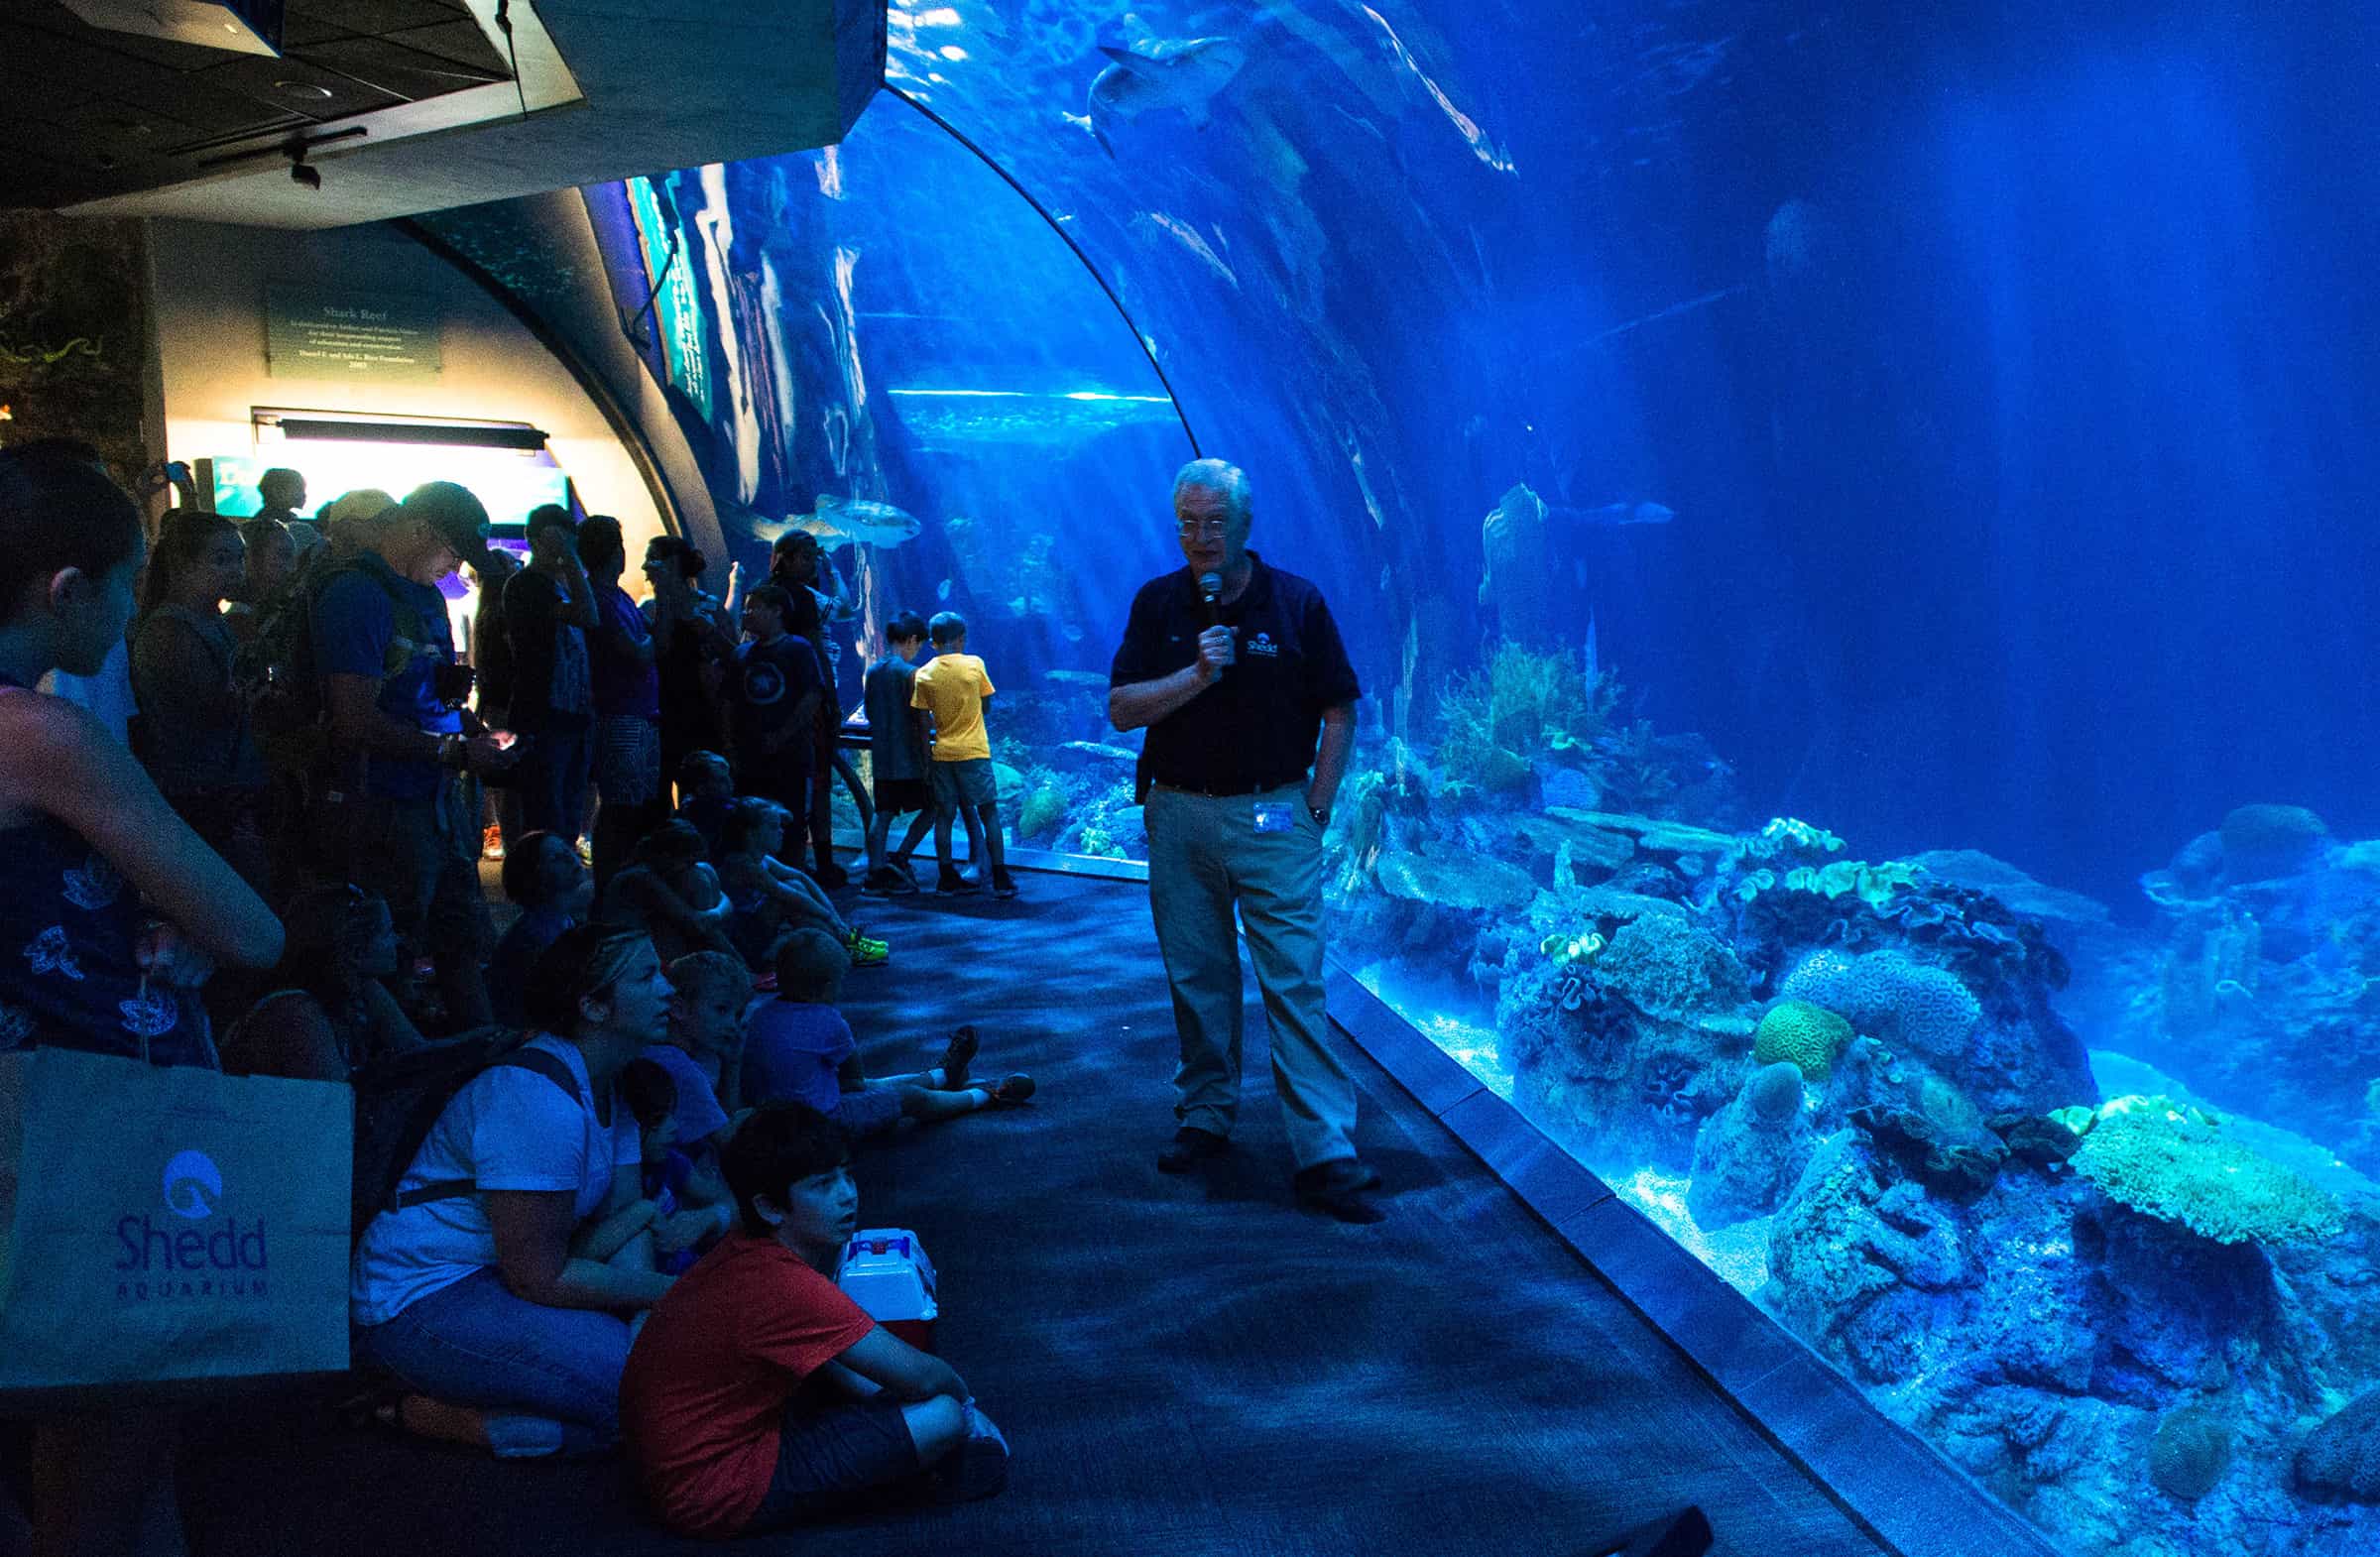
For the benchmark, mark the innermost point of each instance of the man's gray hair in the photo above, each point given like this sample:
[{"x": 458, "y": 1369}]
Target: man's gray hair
[{"x": 1220, "y": 477}]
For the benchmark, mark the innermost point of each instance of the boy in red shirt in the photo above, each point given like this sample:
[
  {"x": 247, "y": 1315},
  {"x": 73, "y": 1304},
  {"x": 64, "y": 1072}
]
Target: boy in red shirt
[{"x": 759, "y": 1396}]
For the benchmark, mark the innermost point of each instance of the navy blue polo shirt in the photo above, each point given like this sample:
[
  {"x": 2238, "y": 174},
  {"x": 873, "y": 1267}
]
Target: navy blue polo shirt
[{"x": 1256, "y": 728}]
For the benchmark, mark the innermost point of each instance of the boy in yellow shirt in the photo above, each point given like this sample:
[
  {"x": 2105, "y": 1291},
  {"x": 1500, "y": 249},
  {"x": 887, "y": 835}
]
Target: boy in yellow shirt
[{"x": 948, "y": 695}]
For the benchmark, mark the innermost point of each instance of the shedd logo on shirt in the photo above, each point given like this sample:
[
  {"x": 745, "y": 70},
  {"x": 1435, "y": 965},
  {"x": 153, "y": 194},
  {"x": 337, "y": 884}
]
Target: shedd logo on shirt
[
  {"x": 162, "y": 1260},
  {"x": 1263, "y": 646}
]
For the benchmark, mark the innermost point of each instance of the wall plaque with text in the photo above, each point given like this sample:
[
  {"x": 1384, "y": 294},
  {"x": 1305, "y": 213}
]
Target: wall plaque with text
[{"x": 385, "y": 337}]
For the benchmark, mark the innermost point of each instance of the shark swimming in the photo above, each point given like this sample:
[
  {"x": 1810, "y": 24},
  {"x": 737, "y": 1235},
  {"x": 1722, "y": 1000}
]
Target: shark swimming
[
  {"x": 1149, "y": 74},
  {"x": 840, "y": 522}
]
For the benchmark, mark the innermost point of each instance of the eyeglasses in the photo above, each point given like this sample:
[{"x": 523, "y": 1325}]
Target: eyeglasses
[{"x": 1210, "y": 529}]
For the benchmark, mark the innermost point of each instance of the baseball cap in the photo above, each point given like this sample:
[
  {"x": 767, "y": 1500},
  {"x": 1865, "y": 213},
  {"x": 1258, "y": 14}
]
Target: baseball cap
[{"x": 460, "y": 519}]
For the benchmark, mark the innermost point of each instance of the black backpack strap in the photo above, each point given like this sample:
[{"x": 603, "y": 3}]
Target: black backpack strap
[{"x": 544, "y": 1062}]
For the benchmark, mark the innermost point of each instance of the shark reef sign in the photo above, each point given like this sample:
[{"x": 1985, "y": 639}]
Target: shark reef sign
[{"x": 388, "y": 337}]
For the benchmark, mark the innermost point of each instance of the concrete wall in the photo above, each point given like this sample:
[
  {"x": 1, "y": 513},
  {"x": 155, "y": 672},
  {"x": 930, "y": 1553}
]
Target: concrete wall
[{"x": 209, "y": 311}]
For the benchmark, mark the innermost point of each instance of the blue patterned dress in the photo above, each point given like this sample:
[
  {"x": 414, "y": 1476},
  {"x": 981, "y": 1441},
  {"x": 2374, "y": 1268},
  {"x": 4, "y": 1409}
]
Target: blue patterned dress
[{"x": 69, "y": 926}]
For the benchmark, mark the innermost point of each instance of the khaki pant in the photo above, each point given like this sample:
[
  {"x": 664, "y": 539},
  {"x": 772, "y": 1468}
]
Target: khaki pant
[{"x": 1204, "y": 856}]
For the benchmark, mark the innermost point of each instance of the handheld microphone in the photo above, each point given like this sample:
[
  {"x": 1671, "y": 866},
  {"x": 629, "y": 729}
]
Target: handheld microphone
[{"x": 1210, "y": 589}]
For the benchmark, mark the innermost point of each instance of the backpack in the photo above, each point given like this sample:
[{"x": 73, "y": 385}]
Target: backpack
[
  {"x": 398, "y": 1101},
  {"x": 292, "y": 714}
]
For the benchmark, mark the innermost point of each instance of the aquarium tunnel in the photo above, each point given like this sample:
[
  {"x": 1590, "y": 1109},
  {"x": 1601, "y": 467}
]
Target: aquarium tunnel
[
  {"x": 1854, "y": 532},
  {"x": 1852, "y": 526}
]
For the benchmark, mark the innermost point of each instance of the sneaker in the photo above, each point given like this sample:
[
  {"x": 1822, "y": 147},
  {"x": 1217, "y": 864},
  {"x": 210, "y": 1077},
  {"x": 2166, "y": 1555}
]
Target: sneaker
[
  {"x": 867, "y": 953},
  {"x": 1336, "y": 1189},
  {"x": 883, "y": 882},
  {"x": 950, "y": 883},
  {"x": 1004, "y": 886},
  {"x": 1191, "y": 1147},
  {"x": 491, "y": 843},
  {"x": 1010, "y": 1091},
  {"x": 957, "y": 1055},
  {"x": 586, "y": 852},
  {"x": 904, "y": 875},
  {"x": 830, "y": 876},
  {"x": 978, "y": 1467}
]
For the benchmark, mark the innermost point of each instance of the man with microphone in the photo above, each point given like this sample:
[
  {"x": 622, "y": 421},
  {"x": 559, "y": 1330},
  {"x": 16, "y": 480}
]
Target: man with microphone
[{"x": 1238, "y": 673}]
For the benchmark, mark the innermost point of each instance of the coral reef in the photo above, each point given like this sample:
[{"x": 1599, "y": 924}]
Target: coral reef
[
  {"x": 1886, "y": 995},
  {"x": 1669, "y": 967},
  {"x": 2076, "y": 1358},
  {"x": 2264, "y": 841},
  {"x": 1523, "y": 703},
  {"x": 2191, "y": 1452},
  {"x": 1802, "y": 1035},
  {"x": 2264, "y": 995},
  {"x": 1748, "y": 1154},
  {"x": 2341, "y": 1458},
  {"x": 2165, "y": 1165}
]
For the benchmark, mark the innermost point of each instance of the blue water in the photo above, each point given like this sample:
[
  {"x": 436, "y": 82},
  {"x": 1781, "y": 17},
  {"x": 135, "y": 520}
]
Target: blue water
[{"x": 2006, "y": 378}]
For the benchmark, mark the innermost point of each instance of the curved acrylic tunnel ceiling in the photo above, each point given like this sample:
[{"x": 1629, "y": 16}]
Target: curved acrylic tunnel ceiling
[
  {"x": 888, "y": 320},
  {"x": 1323, "y": 220},
  {"x": 1799, "y": 276}
]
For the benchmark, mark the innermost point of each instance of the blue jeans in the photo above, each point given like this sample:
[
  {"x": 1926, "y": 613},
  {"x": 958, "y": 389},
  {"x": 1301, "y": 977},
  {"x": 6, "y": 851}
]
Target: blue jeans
[{"x": 548, "y": 1377}]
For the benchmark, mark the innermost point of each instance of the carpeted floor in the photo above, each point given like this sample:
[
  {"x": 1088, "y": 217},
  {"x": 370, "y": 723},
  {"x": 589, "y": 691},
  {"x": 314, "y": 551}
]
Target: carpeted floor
[{"x": 1182, "y": 1367}]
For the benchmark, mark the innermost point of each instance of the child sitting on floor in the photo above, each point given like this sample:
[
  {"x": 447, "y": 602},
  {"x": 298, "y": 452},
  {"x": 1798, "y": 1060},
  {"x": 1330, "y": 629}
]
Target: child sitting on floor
[
  {"x": 768, "y": 895},
  {"x": 706, "y": 786},
  {"x": 759, "y": 1396},
  {"x": 649, "y": 1090},
  {"x": 797, "y": 1046}
]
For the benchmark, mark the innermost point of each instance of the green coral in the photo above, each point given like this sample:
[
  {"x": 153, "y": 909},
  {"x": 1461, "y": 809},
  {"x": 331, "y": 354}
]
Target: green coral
[
  {"x": 2173, "y": 1164},
  {"x": 1803, "y": 1035},
  {"x": 1787, "y": 833},
  {"x": 1873, "y": 884},
  {"x": 1566, "y": 949},
  {"x": 2078, "y": 1118},
  {"x": 1522, "y": 705},
  {"x": 1044, "y": 811}
]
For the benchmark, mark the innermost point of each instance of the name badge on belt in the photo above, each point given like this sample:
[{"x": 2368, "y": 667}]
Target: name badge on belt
[{"x": 1276, "y": 816}]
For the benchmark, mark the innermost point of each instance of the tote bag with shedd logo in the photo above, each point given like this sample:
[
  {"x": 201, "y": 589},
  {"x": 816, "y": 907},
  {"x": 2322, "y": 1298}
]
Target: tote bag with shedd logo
[{"x": 161, "y": 1224}]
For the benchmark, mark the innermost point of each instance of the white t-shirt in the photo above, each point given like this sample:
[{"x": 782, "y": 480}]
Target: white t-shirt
[{"x": 507, "y": 1129}]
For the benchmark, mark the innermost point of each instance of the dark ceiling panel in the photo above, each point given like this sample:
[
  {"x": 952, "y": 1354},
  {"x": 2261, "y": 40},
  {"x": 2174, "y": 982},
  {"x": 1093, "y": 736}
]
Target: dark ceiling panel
[
  {"x": 60, "y": 149},
  {"x": 395, "y": 69},
  {"x": 461, "y": 42},
  {"x": 293, "y": 86},
  {"x": 374, "y": 17},
  {"x": 123, "y": 112},
  {"x": 33, "y": 54},
  {"x": 150, "y": 51}
]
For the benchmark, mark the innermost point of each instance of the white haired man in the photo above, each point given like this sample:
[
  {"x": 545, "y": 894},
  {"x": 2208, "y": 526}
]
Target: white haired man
[{"x": 1249, "y": 703}]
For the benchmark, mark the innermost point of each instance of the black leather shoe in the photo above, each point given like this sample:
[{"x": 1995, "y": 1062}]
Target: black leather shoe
[
  {"x": 1338, "y": 1188},
  {"x": 1191, "y": 1147}
]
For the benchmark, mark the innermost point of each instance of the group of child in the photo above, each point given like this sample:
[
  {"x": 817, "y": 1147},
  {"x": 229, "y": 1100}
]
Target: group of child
[
  {"x": 931, "y": 754},
  {"x": 757, "y": 1394}
]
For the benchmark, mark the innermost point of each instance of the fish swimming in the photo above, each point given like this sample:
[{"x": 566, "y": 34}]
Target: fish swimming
[
  {"x": 1619, "y": 514},
  {"x": 844, "y": 522},
  {"x": 942, "y": 591},
  {"x": 1151, "y": 73}
]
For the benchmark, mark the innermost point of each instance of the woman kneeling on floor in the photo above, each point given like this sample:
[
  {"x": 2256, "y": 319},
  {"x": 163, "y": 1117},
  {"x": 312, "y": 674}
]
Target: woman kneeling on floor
[
  {"x": 759, "y": 1396},
  {"x": 522, "y": 1234}
]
